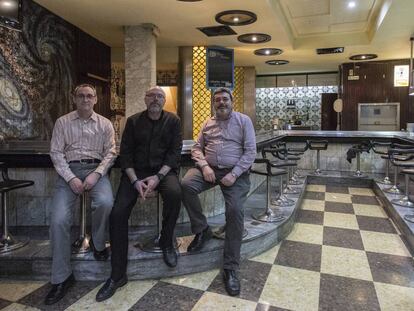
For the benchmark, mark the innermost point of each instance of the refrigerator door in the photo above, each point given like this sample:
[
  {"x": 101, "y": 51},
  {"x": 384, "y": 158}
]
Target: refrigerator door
[{"x": 379, "y": 116}]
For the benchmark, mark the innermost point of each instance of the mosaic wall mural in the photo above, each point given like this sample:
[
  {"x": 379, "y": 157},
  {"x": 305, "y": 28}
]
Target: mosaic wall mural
[
  {"x": 36, "y": 74},
  {"x": 288, "y": 103}
]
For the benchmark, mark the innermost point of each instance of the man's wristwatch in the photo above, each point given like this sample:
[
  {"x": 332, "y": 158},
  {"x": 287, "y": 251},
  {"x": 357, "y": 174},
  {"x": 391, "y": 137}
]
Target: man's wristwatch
[
  {"x": 160, "y": 176},
  {"x": 234, "y": 175}
]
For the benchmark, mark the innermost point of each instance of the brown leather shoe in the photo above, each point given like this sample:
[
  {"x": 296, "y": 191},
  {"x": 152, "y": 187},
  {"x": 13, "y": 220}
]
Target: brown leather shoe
[{"x": 59, "y": 291}]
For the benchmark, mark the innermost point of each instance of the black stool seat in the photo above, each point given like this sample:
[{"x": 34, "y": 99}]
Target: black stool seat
[
  {"x": 318, "y": 144},
  {"x": 9, "y": 185},
  {"x": 282, "y": 163}
]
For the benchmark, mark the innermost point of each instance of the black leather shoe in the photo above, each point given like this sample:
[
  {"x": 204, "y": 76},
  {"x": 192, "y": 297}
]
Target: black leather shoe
[
  {"x": 231, "y": 281},
  {"x": 99, "y": 255},
  {"x": 109, "y": 288},
  {"x": 199, "y": 240},
  {"x": 59, "y": 291},
  {"x": 170, "y": 256}
]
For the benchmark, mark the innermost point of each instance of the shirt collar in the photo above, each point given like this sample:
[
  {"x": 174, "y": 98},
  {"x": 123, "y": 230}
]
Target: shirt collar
[
  {"x": 75, "y": 116},
  {"x": 230, "y": 116}
]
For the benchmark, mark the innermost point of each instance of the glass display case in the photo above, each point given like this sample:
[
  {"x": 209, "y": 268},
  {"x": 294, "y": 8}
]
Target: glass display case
[{"x": 378, "y": 116}]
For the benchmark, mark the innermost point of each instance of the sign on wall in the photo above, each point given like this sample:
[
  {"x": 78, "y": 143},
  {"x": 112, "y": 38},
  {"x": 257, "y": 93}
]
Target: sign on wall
[{"x": 401, "y": 75}]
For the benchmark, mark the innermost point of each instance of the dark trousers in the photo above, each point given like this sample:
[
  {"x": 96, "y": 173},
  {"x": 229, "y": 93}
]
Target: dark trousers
[
  {"x": 126, "y": 197},
  {"x": 193, "y": 183}
]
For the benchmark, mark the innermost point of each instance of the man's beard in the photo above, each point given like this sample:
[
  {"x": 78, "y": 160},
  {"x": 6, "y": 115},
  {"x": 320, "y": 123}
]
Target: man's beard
[{"x": 154, "y": 108}]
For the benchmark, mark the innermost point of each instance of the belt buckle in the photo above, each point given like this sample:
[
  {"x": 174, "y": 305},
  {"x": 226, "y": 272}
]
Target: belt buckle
[{"x": 83, "y": 161}]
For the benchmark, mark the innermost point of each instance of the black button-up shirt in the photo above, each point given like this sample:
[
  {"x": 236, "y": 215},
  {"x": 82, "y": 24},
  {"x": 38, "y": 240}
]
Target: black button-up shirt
[{"x": 147, "y": 144}]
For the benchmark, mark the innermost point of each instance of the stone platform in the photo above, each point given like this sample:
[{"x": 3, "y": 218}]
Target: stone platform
[{"x": 34, "y": 261}]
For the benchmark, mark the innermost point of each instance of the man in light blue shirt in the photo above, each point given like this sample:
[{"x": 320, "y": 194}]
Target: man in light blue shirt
[{"x": 224, "y": 152}]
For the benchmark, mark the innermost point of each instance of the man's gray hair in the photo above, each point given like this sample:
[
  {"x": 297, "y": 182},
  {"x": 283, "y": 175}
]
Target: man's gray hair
[{"x": 222, "y": 90}]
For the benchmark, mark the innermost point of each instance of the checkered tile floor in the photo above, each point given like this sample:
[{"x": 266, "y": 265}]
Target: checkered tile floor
[{"x": 344, "y": 253}]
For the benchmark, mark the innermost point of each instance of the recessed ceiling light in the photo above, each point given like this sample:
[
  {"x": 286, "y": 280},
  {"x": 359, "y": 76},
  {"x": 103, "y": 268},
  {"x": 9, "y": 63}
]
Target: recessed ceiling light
[
  {"x": 351, "y": 4},
  {"x": 363, "y": 56},
  {"x": 275, "y": 62},
  {"x": 236, "y": 17},
  {"x": 254, "y": 38},
  {"x": 268, "y": 51},
  {"x": 6, "y": 3}
]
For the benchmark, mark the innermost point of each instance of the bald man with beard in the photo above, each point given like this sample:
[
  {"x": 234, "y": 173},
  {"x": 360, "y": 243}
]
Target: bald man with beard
[{"x": 150, "y": 156}]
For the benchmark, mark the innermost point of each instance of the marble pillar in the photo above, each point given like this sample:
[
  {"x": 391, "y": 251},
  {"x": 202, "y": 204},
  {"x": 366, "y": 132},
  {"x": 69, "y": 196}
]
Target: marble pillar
[
  {"x": 140, "y": 64},
  {"x": 250, "y": 93}
]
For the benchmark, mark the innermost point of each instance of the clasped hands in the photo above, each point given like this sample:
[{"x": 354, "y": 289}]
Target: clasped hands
[
  {"x": 146, "y": 185},
  {"x": 209, "y": 176},
  {"x": 78, "y": 187}
]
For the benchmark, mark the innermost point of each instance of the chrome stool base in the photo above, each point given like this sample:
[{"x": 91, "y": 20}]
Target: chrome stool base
[
  {"x": 282, "y": 202},
  {"x": 394, "y": 190},
  {"x": 405, "y": 201},
  {"x": 81, "y": 245},
  {"x": 268, "y": 216},
  {"x": 409, "y": 218},
  {"x": 384, "y": 181},
  {"x": 290, "y": 190},
  {"x": 8, "y": 244},
  {"x": 359, "y": 174},
  {"x": 153, "y": 245}
]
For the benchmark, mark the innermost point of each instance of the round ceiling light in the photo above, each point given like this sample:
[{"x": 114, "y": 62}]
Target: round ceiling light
[
  {"x": 275, "y": 62},
  {"x": 268, "y": 51},
  {"x": 236, "y": 18},
  {"x": 363, "y": 56},
  {"x": 254, "y": 38}
]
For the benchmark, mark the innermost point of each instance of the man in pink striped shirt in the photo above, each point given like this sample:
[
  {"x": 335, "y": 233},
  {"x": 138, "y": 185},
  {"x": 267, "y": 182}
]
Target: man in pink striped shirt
[{"x": 82, "y": 150}]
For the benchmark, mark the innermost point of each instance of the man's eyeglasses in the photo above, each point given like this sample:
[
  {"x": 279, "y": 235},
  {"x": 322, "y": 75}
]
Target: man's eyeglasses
[
  {"x": 87, "y": 96},
  {"x": 157, "y": 96},
  {"x": 221, "y": 99}
]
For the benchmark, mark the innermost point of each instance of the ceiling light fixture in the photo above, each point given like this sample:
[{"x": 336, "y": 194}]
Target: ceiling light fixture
[
  {"x": 254, "y": 38},
  {"x": 236, "y": 17},
  {"x": 351, "y": 4},
  {"x": 411, "y": 78},
  {"x": 363, "y": 56},
  {"x": 276, "y": 62},
  {"x": 268, "y": 51}
]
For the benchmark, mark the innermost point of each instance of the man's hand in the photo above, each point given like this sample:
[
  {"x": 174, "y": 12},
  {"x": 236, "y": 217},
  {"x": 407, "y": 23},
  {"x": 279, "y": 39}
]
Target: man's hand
[
  {"x": 228, "y": 180},
  {"x": 208, "y": 174},
  {"x": 90, "y": 181},
  {"x": 151, "y": 183},
  {"x": 76, "y": 185},
  {"x": 140, "y": 186}
]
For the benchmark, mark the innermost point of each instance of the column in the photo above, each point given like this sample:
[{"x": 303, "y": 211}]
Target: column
[{"x": 140, "y": 64}]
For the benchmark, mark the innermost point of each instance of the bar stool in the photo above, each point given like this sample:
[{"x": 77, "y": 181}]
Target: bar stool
[
  {"x": 81, "y": 245},
  {"x": 358, "y": 149},
  {"x": 152, "y": 245},
  {"x": 281, "y": 199},
  {"x": 7, "y": 242},
  {"x": 285, "y": 161},
  {"x": 408, "y": 172},
  {"x": 318, "y": 145},
  {"x": 384, "y": 155},
  {"x": 403, "y": 160},
  {"x": 268, "y": 215},
  {"x": 396, "y": 154}
]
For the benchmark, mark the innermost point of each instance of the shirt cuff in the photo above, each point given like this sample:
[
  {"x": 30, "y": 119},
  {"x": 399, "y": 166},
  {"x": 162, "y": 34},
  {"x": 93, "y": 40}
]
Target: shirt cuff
[
  {"x": 237, "y": 171},
  {"x": 202, "y": 163},
  {"x": 69, "y": 177},
  {"x": 100, "y": 170}
]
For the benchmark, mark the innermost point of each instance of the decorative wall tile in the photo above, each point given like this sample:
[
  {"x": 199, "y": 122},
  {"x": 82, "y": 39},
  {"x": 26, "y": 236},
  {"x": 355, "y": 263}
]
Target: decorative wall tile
[{"x": 272, "y": 103}]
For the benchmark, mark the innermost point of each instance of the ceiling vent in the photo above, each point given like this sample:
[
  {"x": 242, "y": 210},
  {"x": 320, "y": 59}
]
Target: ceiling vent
[
  {"x": 330, "y": 50},
  {"x": 215, "y": 31}
]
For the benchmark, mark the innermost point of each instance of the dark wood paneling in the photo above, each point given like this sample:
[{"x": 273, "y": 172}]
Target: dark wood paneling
[
  {"x": 93, "y": 61},
  {"x": 329, "y": 118},
  {"x": 375, "y": 85}
]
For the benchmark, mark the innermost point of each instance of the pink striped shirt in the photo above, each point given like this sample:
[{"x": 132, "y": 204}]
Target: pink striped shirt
[{"x": 74, "y": 139}]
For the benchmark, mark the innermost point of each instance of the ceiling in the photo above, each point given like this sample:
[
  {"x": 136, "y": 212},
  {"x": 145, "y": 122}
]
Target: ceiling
[{"x": 297, "y": 27}]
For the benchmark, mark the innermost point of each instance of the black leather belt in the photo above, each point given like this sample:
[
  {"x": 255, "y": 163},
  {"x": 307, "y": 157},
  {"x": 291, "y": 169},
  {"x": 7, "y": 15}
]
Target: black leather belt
[{"x": 86, "y": 161}]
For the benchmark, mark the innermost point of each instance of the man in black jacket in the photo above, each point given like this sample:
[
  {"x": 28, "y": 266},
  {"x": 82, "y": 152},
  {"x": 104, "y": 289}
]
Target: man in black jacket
[{"x": 150, "y": 155}]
